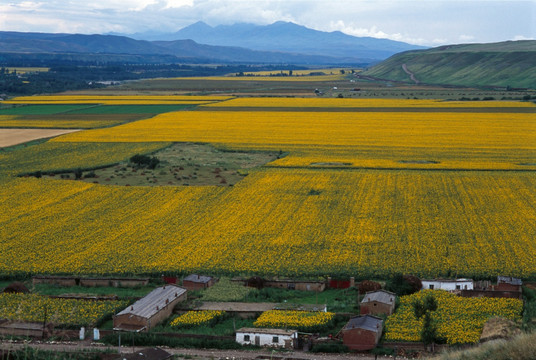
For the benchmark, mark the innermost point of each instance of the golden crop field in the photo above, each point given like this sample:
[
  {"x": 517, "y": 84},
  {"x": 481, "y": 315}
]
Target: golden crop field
[
  {"x": 315, "y": 78},
  {"x": 460, "y": 320},
  {"x": 371, "y": 194},
  {"x": 34, "y": 308},
  {"x": 370, "y": 140},
  {"x": 277, "y": 221}
]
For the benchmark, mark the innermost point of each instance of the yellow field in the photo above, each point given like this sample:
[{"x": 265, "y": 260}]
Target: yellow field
[
  {"x": 24, "y": 70},
  {"x": 115, "y": 100},
  {"x": 460, "y": 320},
  {"x": 382, "y": 140},
  {"x": 277, "y": 221},
  {"x": 360, "y": 103},
  {"x": 267, "y": 78},
  {"x": 348, "y": 199}
]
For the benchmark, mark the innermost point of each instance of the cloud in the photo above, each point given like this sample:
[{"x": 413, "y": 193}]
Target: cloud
[
  {"x": 521, "y": 37},
  {"x": 423, "y": 22},
  {"x": 466, "y": 38}
]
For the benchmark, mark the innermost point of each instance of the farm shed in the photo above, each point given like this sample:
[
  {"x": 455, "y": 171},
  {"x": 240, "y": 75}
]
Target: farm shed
[
  {"x": 280, "y": 338},
  {"x": 362, "y": 332},
  {"x": 114, "y": 282},
  {"x": 56, "y": 280},
  {"x": 197, "y": 282},
  {"x": 150, "y": 310},
  {"x": 508, "y": 283},
  {"x": 302, "y": 285},
  {"x": 378, "y": 302},
  {"x": 448, "y": 284}
]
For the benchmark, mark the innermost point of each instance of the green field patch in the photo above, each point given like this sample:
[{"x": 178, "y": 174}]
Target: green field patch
[
  {"x": 130, "y": 109},
  {"x": 42, "y": 109}
]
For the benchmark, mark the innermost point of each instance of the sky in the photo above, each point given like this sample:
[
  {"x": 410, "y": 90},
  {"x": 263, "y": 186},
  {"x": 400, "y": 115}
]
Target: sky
[{"x": 421, "y": 22}]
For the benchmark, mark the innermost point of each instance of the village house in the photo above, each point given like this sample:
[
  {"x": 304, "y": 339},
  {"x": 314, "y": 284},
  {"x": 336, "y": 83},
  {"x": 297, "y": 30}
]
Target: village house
[
  {"x": 197, "y": 282},
  {"x": 448, "y": 284},
  {"x": 378, "y": 302},
  {"x": 279, "y": 338},
  {"x": 150, "y": 310},
  {"x": 362, "y": 332}
]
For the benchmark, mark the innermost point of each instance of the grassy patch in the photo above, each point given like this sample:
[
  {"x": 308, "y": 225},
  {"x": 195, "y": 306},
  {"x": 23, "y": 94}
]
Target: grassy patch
[
  {"x": 41, "y": 109},
  {"x": 182, "y": 164}
]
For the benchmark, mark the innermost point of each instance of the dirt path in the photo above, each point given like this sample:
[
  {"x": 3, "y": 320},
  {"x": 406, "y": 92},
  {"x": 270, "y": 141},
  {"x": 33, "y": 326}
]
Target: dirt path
[
  {"x": 10, "y": 137},
  {"x": 411, "y": 75},
  {"x": 197, "y": 353}
]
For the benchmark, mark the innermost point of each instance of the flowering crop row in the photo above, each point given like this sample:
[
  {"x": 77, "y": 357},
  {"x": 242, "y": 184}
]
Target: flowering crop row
[
  {"x": 34, "y": 308},
  {"x": 459, "y": 320},
  {"x": 277, "y": 221},
  {"x": 196, "y": 318},
  {"x": 300, "y": 320}
]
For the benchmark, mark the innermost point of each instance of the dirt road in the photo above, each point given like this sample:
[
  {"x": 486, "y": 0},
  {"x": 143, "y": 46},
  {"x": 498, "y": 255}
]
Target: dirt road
[{"x": 200, "y": 354}]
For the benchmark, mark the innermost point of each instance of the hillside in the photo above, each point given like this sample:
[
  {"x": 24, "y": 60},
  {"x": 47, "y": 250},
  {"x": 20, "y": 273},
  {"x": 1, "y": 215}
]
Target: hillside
[{"x": 511, "y": 63}]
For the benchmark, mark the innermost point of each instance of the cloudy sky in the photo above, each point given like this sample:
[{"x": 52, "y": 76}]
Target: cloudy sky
[{"x": 423, "y": 22}]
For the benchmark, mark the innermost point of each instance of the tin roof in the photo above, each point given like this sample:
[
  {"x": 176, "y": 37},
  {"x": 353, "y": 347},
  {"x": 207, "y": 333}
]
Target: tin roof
[
  {"x": 266, "y": 331},
  {"x": 367, "y": 322},
  {"x": 509, "y": 280},
  {"x": 153, "y": 302},
  {"x": 382, "y": 296},
  {"x": 198, "y": 278}
]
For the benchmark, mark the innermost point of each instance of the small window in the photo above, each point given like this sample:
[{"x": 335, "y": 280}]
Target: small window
[
  {"x": 375, "y": 304},
  {"x": 458, "y": 287},
  {"x": 246, "y": 338},
  {"x": 275, "y": 340},
  {"x": 431, "y": 286}
]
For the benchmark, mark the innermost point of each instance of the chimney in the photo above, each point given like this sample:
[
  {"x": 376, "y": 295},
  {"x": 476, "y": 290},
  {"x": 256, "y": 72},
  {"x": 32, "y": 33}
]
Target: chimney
[{"x": 131, "y": 308}]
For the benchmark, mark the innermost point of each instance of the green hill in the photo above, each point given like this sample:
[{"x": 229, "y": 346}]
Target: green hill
[{"x": 510, "y": 63}]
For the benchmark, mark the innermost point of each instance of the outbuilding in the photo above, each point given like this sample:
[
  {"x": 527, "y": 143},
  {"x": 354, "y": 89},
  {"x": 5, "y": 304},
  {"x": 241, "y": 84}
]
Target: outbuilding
[
  {"x": 197, "y": 282},
  {"x": 150, "y": 310},
  {"x": 279, "y": 338},
  {"x": 378, "y": 302},
  {"x": 362, "y": 332},
  {"x": 448, "y": 284}
]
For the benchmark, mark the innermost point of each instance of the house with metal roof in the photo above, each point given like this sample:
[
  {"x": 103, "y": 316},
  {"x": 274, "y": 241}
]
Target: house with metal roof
[
  {"x": 362, "y": 332},
  {"x": 378, "y": 302},
  {"x": 198, "y": 282},
  {"x": 150, "y": 310}
]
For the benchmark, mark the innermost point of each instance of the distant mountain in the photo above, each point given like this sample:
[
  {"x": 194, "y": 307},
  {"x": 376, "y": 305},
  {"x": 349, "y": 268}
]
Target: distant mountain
[
  {"x": 179, "y": 50},
  {"x": 293, "y": 38},
  {"x": 510, "y": 63}
]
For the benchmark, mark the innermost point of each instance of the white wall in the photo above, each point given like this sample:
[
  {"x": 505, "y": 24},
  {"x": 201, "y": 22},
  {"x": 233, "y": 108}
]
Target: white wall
[
  {"x": 448, "y": 285},
  {"x": 265, "y": 339}
]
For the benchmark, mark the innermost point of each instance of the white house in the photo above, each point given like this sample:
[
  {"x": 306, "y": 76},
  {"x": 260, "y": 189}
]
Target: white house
[
  {"x": 448, "y": 284},
  {"x": 267, "y": 337}
]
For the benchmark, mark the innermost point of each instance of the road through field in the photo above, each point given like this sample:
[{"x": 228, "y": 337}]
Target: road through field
[{"x": 197, "y": 353}]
